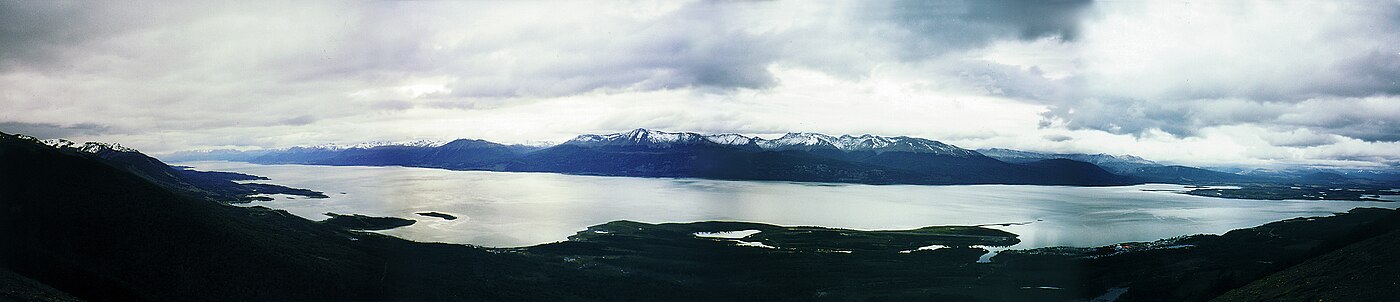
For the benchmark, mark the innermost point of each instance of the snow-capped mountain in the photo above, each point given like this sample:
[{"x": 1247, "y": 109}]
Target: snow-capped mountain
[
  {"x": 867, "y": 142},
  {"x": 367, "y": 145},
  {"x": 88, "y": 147},
  {"x": 640, "y": 137},
  {"x": 790, "y": 141},
  {"x": 729, "y": 139}
]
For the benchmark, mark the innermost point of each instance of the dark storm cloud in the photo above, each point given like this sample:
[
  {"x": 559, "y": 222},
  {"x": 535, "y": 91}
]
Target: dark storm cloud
[
  {"x": 939, "y": 26},
  {"x": 1034, "y": 18},
  {"x": 42, "y": 34},
  {"x": 1371, "y": 73},
  {"x": 1375, "y": 119},
  {"x": 45, "y": 130},
  {"x": 35, "y": 30}
]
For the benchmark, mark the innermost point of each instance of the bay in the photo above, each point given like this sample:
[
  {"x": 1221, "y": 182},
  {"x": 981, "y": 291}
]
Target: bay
[{"x": 508, "y": 209}]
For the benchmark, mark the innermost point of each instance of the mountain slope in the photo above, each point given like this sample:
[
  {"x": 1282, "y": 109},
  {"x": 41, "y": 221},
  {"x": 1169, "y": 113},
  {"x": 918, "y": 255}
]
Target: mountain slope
[
  {"x": 465, "y": 154},
  {"x": 15, "y": 287},
  {"x": 1362, "y": 271},
  {"x": 705, "y": 161},
  {"x": 1139, "y": 169},
  {"x": 218, "y": 186},
  {"x": 1114, "y": 163},
  {"x": 1187, "y": 175},
  {"x": 123, "y": 238}
]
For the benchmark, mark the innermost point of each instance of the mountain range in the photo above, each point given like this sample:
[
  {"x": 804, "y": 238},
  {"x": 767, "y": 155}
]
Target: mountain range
[
  {"x": 650, "y": 153},
  {"x": 792, "y": 157}
]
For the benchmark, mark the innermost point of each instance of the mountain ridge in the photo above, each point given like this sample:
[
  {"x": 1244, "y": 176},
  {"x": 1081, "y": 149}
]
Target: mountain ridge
[
  {"x": 795, "y": 156},
  {"x": 219, "y": 186},
  {"x": 805, "y": 141},
  {"x": 798, "y": 156}
]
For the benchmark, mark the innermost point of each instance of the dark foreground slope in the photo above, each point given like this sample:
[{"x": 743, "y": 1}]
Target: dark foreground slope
[
  {"x": 1363, "y": 271},
  {"x": 99, "y": 233},
  {"x": 1201, "y": 267},
  {"x": 215, "y": 186},
  {"x": 14, "y": 287},
  {"x": 845, "y": 265}
]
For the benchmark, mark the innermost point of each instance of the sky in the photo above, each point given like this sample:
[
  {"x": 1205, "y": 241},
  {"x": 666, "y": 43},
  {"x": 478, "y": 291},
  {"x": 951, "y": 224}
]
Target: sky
[{"x": 1214, "y": 83}]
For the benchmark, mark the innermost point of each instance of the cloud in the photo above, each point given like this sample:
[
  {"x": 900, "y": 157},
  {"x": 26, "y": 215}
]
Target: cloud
[
  {"x": 46, "y": 130},
  {"x": 39, "y": 32},
  {"x": 1058, "y": 138},
  {"x": 934, "y": 27},
  {"x": 503, "y": 50},
  {"x": 299, "y": 120},
  {"x": 1299, "y": 138},
  {"x": 1374, "y": 119},
  {"x": 392, "y": 105},
  {"x": 1256, "y": 82},
  {"x": 1180, "y": 67}
]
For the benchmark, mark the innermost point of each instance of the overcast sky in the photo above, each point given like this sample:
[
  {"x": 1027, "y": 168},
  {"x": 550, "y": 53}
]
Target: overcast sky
[{"x": 1204, "y": 82}]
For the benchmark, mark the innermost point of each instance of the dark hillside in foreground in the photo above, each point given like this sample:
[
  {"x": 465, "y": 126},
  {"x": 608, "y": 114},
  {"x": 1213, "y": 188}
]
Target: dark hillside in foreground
[
  {"x": 1364, "y": 271},
  {"x": 215, "y": 186},
  {"x": 100, "y": 233}
]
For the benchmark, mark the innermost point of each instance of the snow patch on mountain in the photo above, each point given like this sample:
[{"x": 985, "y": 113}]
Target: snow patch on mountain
[
  {"x": 790, "y": 141},
  {"x": 729, "y": 139},
  {"x": 639, "y": 137},
  {"x": 87, "y": 147},
  {"x": 798, "y": 141},
  {"x": 375, "y": 144}
]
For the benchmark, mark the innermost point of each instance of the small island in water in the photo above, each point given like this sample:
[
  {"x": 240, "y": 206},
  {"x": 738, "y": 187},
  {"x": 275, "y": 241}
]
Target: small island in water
[
  {"x": 444, "y": 216},
  {"x": 362, "y": 222}
]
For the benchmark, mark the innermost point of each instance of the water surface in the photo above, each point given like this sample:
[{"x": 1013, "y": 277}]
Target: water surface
[{"x": 507, "y": 209}]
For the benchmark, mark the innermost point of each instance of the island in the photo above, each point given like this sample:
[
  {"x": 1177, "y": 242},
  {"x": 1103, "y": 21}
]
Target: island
[
  {"x": 438, "y": 215},
  {"x": 366, "y": 223}
]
